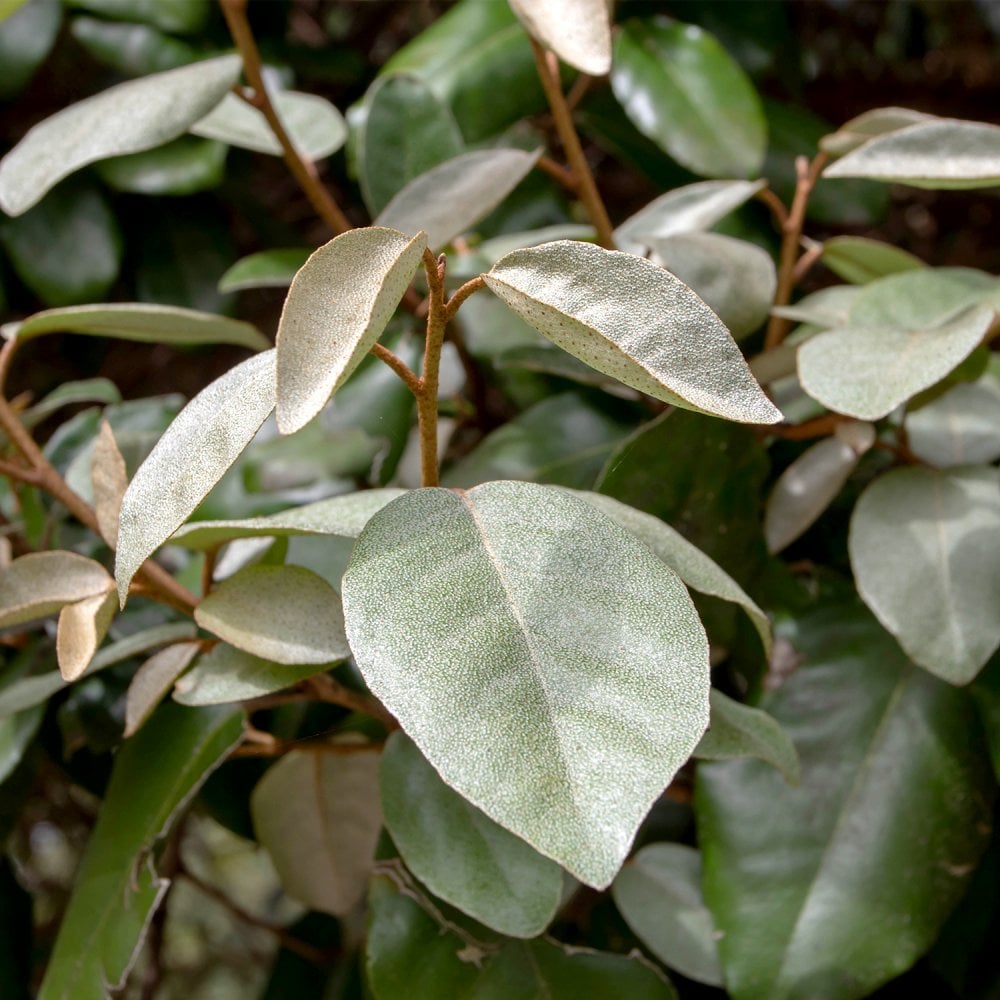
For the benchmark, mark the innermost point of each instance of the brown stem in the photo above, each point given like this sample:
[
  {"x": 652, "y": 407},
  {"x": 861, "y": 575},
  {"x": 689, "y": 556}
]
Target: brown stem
[
  {"x": 817, "y": 427},
  {"x": 776, "y": 205},
  {"x": 806, "y": 261},
  {"x": 323, "y": 687},
  {"x": 304, "y": 171},
  {"x": 6, "y": 356},
  {"x": 427, "y": 398},
  {"x": 807, "y": 174},
  {"x": 548, "y": 73},
  {"x": 19, "y": 473},
  {"x": 399, "y": 366},
  {"x": 461, "y": 294},
  {"x": 559, "y": 173}
]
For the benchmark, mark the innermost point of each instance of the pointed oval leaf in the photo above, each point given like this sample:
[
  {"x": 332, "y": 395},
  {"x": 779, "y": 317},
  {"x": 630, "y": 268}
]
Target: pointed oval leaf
[
  {"x": 109, "y": 480},
  {"x": 42, "y": 583},
  {"x": 317, "y": 813},
  {"x": 679, "y": 87},
  {"x": 868, "y": 125},
  {"x": 313, "y": 124},
  {"x": 939, "y": 154},
  {"x": 287, "y": 614},
  {"x": 204, "y": 440},
  {"x": 628, "y": 318},
  {"x": 860, "y": 260},
  {"x": 225, "y": 674},
  {"x": 142, "y": 322},
  {"x": 961, "y": 427},
  {"x": 128, "y": 118},
  {"x": 459, "y": 853},
  {"x": 267, "y": 269},
  {"x": 337, "y": 307},
  {"x": 185, "y": 166},
  {"x": 925, "y": 550},
  {"x": 82, "y": 628},
  {"x": 456, "y": 194},
  {"x": 518, "y": 594},
  {"x": 578, "y": 31},
  {"x": 687, "y": 209},
  {"x": 659, "y": 894},
  {"x": 153, "y": 680}
]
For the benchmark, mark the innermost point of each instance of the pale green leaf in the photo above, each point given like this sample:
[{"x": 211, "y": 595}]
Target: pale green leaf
[
  {"x": 860, "y": 260},
  {"x": 127, "y": 118},
  {"x": 267, "y": 269},
  {"x": 687, "y": 209},
  {"x": 470, "y": 263},
  {"x": 42, "y": 583},
  {"x": 337, "y": 308},
  {"x": 456, "y": 194},
  {"x": 287, "y": 614},
  {"x": 314, "y": 125},
  {"x": 109, "y": 480},
  {"x": 185, "y": 166},
  {"x": 118, "y": 887},
  {"x": 226, "y": 674},
  {"x": 868, "y": 125},
  {"x": 25, "y": 41},
  {"x": 825, "y": 309},
  {"x": 143, "y": 322},
  {"x": 317, "y": 812},
  {"x": 204, "y": 440},
  {"x": 736, "y": 279},
  {"x": 736, "y": 730},
  {"x": 344, "y": 516},
  {"x": 519, "y": 594},
  {"x": 925, "y": 550},
  {"x": 659, "y": 894},
  {"x": 944, "y": 153},
  {"x": 960, "y": 427},
  {"x": 459, "y": 853},
  {"x": 89, "y": 390},
  {"x": 82, "y": 627},
  {"x": 153, "y": 680},
  {"x": 696, "y": 569},
  {"x": 578, "y": 31},
  {"x": 628, "y": 318}
]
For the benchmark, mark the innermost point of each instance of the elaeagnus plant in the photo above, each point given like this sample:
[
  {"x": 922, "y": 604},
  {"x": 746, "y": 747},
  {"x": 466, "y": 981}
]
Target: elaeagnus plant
[{"x": 503, "y": 698}]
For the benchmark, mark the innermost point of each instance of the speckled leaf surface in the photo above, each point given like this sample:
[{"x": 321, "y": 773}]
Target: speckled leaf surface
[
  {"x": 338, "y": 306},
  {"x": 659, "y": 894},
  {"x": 943, "y": 153},
  {"x": 578, "y": 31},
  {"x": 459, "y": 853},
  {"x": 577, "y": 650},
  {"x": 141, "y": 321},
  {"x": 287, "y": 614},
  {"x": 82, "y": 628},
  {"x": 313, "y": 124},
  {"x": 628, "y": 318},
  {"x": 42, "y": 583},
  {"x": 925, "y": 550},
  {"x": 204, "y": 440},
  {"x": 317, "y": 812},
  {"x": 118, "y": 887},
  {"x": 109, "y": 481},
  {"x": 820, "y": 889},
  {"x": 127, "y": 118},
  {"x": 960, "y": 427},
  {"x": 456, "y": 194},
  {"x": 340, "y": 515},
  {"x": 153, "y": 680}
]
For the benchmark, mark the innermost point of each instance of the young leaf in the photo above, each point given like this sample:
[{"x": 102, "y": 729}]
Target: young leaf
[
  {"x": 140, "y": 321},
  {"x": 791, "y": 874},
  {"x": 225, "y": 674},
  {"x": 860, "y": 260},
  {"x": 206, "y": 438},
  {"x": 628, "y": 318},
  {"x": 925, "y": 550},
  {"x": 960, "y": 427},
  {"x": 82, "y": 627},
  {"x": 313, "y": 124},
  {"x": 459, "y": 853},
  {"x": 153, "y": 680},
  {"x": 659, "y": 894},
  {"x": 456, "y": 194},
  {"x": 118, "y": 887},
  {"x": 267, "y": 269},
  {"x": 680, "y": 87},
  {"x": 282, "y": 613},
  {"x": 578, "y": 31},
  {"x": 317, "y": 813},
  {"x": 737, "y": 730},
  {"x": 337, "y": 307},
  {"x": 940, "y": 154},
  {"x": 42, "y": 583},
  {"x": 109, "y": 480},
  {"x": 518, "y": 594},
  {"x": 127, "y": 118}
]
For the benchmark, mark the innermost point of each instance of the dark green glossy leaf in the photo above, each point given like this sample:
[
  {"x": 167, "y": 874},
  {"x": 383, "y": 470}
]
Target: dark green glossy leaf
[
  {"x": 459, "y": 853},
  {"x": 679, "y": 87},
  {"x": 132, "y": 49},
  {"x": 267, "y": 269},
  {"x": 26, "y": 36},
  {"x": 181, "y": 167},
  {"x": 169, "y": 15},
  {"x": 117, "y": 886},
  {"x": 826, "y": 889}
]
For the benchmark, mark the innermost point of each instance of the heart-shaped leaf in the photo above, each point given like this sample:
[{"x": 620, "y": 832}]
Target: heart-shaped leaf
[
  {"x": 127, "y": 118},
  {"x": 513, "y": 594},
  {"x": 628, "y": 318},
  {"x": 204, "y": 440},
  {"x": 578, "y": 31},
  {"x": 337, "y": 308},
  {"x": 42, "y": 583},
  {"x": 925, "y": 550}
]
